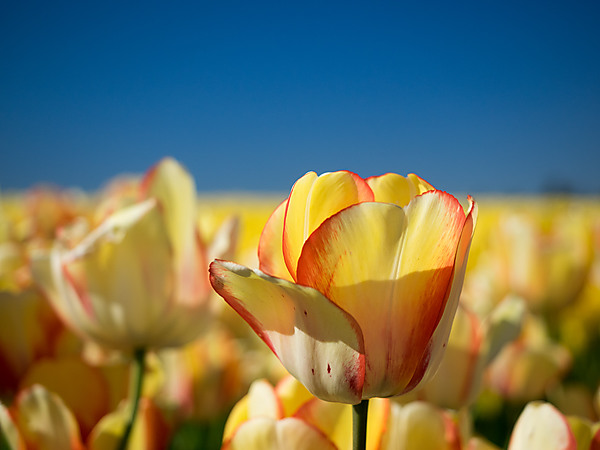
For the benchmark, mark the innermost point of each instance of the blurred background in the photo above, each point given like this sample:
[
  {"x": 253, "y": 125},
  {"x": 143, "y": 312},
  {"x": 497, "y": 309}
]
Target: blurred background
[{"x": 472, "y": 96}]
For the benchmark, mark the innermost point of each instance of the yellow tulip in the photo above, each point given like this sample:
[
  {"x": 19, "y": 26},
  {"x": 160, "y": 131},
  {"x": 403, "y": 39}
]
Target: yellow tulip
[
  {"x": 526, "y": 368},
  {"x": 260, "y": 420},
  {"x": 267, "y": 410},
  {"x": 473, "y": 343},
  {"x": 39, "y": 419},
  {"x": 358, "y": 284},
  {"x": 204, "y": 378},
  {"x": 421, "y": 425},
  {"x": 138, "y": 280}
]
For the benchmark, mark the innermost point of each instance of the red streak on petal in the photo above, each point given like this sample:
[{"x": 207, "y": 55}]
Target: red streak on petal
[{"x": 81, "y": 292}]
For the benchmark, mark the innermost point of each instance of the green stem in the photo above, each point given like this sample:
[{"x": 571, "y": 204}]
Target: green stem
[
  {"x": 359, "y": 425},
  {"x": 135, "y": 392}
]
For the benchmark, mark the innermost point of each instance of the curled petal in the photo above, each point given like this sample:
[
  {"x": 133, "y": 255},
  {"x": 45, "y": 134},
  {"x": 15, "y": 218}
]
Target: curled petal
[
  {"x": 312, "y": 200},
  {"x": 316, "y": 341}
]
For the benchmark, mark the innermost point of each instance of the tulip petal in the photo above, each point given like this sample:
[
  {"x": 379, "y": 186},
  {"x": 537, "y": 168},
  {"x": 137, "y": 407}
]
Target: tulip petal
[
  {"x": 391, "y": 269},
  {"x": 316, "y": 341},
  {"x": 312, "y": 200},
  {"x": 394, "y": 188},
  {"x": 128, "y": 283},
  {"x": 335, "y": 421},
  {"x": 175, "y": 190},
  {"x": 433, "y": 355},
  {"x": 292, "y": 394},
  {"x": 267, "y": 434},
  {"x": 45, "y": 422},
  {"x": 10, "y": 436},
  {"x": 270, "y": 246},
  {"x": 420, "y": 425},
  {"x": 541, "y": 425}
]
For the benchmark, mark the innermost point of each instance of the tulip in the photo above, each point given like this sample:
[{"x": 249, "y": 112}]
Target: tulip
[
  {"x": 39, "y": 419},
  {"x": 358, "y": 284},
  {"x": 421, "y": 425},
  {"x": 136, "y": 280},
  {"x": 259, "y": 421},
  {"x": 541, "y": 425},
  {"x": 528, "y": 367},
  {"x": 474, "y": 342},
  {"x": 203, "y": 379},
  {"x": 289, "y": 409},
  {"x": 547, "y": 264}
]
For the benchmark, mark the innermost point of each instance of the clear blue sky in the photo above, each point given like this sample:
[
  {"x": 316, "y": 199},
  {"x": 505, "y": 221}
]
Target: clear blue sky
[{"x": 476, "y": 96}]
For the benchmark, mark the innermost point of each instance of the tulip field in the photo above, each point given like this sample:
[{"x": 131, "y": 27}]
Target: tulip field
[{"x": 148, "y": 315}]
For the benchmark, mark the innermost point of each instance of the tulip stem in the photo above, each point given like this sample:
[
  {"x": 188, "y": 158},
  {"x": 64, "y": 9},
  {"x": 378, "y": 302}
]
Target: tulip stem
[
  {"x": 359, "y": 425},
  {"x": 135, "y": 392}
]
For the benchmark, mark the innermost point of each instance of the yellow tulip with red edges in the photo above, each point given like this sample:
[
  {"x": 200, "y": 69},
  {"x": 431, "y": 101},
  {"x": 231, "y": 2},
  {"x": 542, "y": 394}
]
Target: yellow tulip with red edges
[
  {"x": 138, "y": 280},
  {"x": 358, "y": 284}
]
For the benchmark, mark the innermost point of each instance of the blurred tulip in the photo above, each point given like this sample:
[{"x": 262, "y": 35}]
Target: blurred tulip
[
  {"x": 138, "y": 280},
  {"x": 542, "y": 426},
  {"x": 264, "y": 407},
  {"x": 421, "y": 425},
  {"x": 473, "y": 343},
  {"x": 337, "y": 241},
  {"x": 547, "y": 265},
  {"x": 258, "y": 421},
  {"x": 525, "y": 369},
  {"x": 10, "y": 437},
  {"x": 204, "y": 378},
  {"x": 42, "y": 421}
]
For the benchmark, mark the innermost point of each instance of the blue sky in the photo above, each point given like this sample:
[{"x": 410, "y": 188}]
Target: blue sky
[{"x": 478, "y": 96}]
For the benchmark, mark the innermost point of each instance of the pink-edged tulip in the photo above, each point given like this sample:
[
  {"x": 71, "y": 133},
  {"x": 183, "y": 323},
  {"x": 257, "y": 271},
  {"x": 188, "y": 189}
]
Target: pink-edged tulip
[
  {"x": 261, "y": 420},
  {"x": 204, "y": 378},
  {"x": 138, "y": 279},
  {"x": 541, "y": 425},
  {"x": 474, "y": 342},
  {"x": 358, "y": 284},
  {"x": 528, "y": 367},
  {"x": 268, "y": 409},
  {"x": 40, "y": 420}
]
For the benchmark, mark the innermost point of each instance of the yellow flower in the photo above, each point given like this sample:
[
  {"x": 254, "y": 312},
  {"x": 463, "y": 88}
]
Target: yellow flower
[
  {"x": 359, "y": 282},
  {"x": 39, "y": 419},
  {"x": 283, "y": 414},
  {"x": 138, "y": 280}
]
